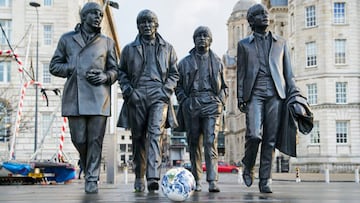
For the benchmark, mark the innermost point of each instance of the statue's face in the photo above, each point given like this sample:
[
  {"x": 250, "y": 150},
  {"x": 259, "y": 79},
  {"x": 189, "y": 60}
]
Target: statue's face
[
  {"x": 260, "y": 17},
  {"x": 202, "y": 40},
  {"x": 147, "y": 27},
  {"x": 93, "y": 18}
]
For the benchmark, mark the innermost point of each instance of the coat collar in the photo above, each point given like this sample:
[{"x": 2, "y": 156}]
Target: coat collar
[
  {"x": 78, "y": 37},
  {"x": 252, "y": 37},
  {"x": 159, "y": 39},
  {"x": 212, "y": 61}
]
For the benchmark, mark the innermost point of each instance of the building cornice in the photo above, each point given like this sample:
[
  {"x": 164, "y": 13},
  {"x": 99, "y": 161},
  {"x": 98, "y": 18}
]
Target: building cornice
[
  {"x": 336, "y": 106},
  {"x": 309, "y": 75}
]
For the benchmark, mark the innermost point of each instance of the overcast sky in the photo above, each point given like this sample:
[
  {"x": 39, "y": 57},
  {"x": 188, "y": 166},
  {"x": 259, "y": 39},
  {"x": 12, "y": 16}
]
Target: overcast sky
[{"x": 177, "y": 21}]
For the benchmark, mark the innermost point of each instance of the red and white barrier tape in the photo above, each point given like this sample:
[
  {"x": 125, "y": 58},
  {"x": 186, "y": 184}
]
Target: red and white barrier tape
[
  {"x": 62, "y": 137},
  {"x": 16, "y": 57},
  {"x": 20, "y": 107},
  {"x": 19, "y": 114}
]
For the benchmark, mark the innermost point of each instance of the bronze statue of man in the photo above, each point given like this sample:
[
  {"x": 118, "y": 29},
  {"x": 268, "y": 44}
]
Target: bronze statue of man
[
  {"x": 264, "y": 81},
  {"x": 201, "y": 92},
  {"x": 148, "y": 75},
  {"x": 87, "y": 59}
]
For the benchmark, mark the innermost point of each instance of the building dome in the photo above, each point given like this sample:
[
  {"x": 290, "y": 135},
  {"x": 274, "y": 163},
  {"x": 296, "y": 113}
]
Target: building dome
[{"x": 243, "y": 5}]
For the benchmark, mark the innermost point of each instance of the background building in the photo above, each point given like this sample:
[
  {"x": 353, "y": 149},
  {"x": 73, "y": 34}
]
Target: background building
[
  {"x": 325, "y": 45},
  {"x": 323, "y": 37}
]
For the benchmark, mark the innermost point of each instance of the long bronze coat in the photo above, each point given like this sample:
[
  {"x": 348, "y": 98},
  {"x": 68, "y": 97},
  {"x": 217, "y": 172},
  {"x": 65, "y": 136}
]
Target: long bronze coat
[
  {"x": 188, "y": 70},
  {"x": 249, "y": 65},
  {"x": 71, "y": 60},
  {"x": 130, "y": 70}
]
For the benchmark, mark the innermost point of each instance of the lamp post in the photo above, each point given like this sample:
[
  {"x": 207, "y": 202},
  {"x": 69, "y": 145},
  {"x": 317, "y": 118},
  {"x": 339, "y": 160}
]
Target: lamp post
[{"x": 36, "y": 5}]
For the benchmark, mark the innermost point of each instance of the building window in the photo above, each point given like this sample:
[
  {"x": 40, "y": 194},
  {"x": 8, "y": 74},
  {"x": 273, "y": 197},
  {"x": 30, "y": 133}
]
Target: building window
[
  {"x": 315, "y": 134},
  {"x": 339, "y": 12},
  {"x": 46, "y": 73},
  {"x": 6, "y": 26},
  {"x": 238, "y": 34},
  {"x": 5, "y": 3},
  {"x": 341, "y": 92},
  {"x": 48, "y": 2},
  {"x": 45, "y": 124},
  {"x": 5, "y": 120},
  {"x": 129, "y": 147},
  {"x": 122, "y": 137},
  {"x": 122, "y": 158},
  {"x": 312, "y": 93},
  {"x": 310, "y": 15},
  {"x": 122, "y": 147},
  {"x": 340, "y": 56},
  {"x": 311, "y": 54},
  {"x": 292, "y": 23},
  {"x": 341, "y": 132},
  {"x": 5, "y": 71},
  {"x": 48, "y": 34},
  {"x": 293, "y": 55}
]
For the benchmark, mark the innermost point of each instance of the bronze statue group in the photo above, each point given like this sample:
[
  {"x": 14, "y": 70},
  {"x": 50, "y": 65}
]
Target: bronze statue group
[{"x": 149, "y": 74}]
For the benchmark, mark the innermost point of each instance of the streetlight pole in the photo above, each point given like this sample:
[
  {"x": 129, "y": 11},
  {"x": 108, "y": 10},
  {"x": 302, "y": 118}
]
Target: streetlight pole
[{"x": 36, "y": 5}]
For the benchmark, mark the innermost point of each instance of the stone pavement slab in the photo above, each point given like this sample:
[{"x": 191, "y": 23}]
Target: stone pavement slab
[{"x": 231, "y": 191}]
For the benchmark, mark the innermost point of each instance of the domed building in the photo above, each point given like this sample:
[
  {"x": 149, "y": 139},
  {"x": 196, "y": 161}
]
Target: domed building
[{"x": 238, "y": 26}]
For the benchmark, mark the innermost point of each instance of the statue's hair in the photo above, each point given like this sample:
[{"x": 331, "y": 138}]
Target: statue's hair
[
  {"x": 201, "y": 29},
  {"x": 251, "y": 11},
  {"x": 89, "y": 6},
  {"x": 147, "y": 14}
]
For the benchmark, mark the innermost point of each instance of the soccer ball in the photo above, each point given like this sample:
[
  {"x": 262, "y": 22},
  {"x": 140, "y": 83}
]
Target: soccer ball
[{"x": 178, "y": 184}]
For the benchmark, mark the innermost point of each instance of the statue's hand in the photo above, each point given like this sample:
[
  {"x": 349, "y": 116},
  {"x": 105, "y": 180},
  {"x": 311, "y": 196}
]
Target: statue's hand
[
  {"x": 242, "y": 106},
  {"x": 96, "y": 77},
  {"x": 134, "y": 97}
]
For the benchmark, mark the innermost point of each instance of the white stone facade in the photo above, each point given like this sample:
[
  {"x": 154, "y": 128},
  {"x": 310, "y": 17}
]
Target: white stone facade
[
  {"x": 328, "y": 153},
  {"x": 289, "y": 22}
]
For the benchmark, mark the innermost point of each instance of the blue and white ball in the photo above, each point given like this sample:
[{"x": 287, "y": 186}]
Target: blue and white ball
[{"x": 178, "y": 184}]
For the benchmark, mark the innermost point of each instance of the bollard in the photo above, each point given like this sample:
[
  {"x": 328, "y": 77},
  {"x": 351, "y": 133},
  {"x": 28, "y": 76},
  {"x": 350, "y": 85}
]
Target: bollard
[
  {"x": 126, "y": 175},
  {"x": 327, "y": 176},
  {"x": 240, "y": 178},
  {"x": 298, "y": 180},
  {"x": 357, "y": 175}
]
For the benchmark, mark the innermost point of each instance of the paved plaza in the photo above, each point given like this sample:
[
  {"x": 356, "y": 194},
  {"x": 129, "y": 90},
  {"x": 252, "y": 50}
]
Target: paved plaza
[{"x": 312, "y": 188}]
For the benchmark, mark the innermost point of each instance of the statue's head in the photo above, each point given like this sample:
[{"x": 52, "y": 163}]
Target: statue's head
[
  {"x": 147, "y": 23},
  {"x": 202, "y": 38},
  {"x": 88, "y": 7},
  {"x": 258, "y": 16},
  {"x": 202, "y": 30}
]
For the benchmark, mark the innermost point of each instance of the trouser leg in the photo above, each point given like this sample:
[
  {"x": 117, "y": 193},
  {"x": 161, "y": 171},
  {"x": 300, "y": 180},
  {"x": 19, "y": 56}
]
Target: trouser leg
[
  {"x": 137, "y": 121},
  {"x": 87, "y": 134},
  {"x": 210, "y": 127},
  {"x": 156, "y": 129},
  {"x": 77, "y": 126},
  {"x": 254, "y": 131},
  {"x": 139, "y": 157},
  {"x": 272, "y": 111},
  {"x": 195, "y": 141}
]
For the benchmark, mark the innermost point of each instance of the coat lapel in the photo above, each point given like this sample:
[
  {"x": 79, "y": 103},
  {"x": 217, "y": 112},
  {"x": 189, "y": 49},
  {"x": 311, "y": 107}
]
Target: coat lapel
[
  {"x": 194, "y": 70},
  {"x": 78, "y": 39},
  {"x": 214, "y": 66}
]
